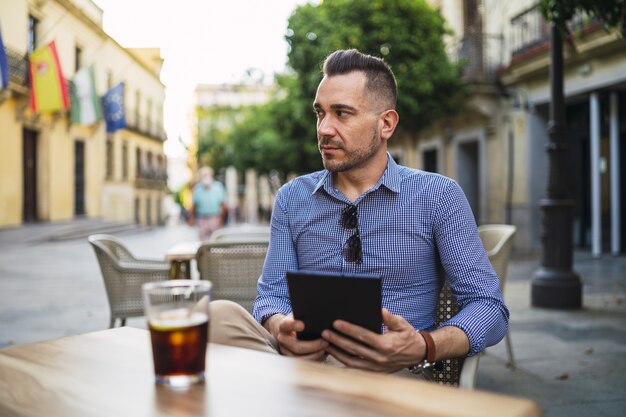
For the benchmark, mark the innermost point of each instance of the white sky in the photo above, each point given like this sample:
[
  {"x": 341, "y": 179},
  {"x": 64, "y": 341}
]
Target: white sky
[{"x": 202, "y": 41}]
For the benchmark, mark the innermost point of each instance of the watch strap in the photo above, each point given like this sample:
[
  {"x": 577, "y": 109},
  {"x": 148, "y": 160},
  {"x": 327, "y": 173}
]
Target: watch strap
[{"x": 431, "y": 350}]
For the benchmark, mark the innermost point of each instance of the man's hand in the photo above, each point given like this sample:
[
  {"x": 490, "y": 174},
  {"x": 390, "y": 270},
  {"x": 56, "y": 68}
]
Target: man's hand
[
  {"x": 399, "y": 347},
  {"x": 284, "y": 329}
]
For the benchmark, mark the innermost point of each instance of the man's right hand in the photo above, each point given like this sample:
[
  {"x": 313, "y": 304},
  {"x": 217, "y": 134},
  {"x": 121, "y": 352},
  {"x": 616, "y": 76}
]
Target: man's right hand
[{"x": 284, "y": 328}]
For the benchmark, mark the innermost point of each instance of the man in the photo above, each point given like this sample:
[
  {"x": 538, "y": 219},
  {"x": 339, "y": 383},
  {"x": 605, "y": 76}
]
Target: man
[
  {"x": 366, "y": 214},
  {"x": 208, "y": 196}
]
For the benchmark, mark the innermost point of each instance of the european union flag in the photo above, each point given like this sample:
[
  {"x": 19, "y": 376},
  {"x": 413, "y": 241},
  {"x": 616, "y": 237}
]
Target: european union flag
[
  {"x": 113, "y": 104},
  {"x": 4, "y": 66}
]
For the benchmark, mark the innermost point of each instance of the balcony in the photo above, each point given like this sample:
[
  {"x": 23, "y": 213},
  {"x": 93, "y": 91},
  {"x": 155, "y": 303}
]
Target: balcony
[
  {"x": 482, "y": 54},
  {"x": 151, "y": 178},
  {"x": 18, "y": 68},
  {"x": 145, "y": 126},
  {"x": 528, "y": 31}
]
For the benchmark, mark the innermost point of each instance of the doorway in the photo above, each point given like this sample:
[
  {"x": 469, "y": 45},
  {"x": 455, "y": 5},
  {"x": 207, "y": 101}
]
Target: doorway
[
  {"x": 429, "y": 160},
  {"x": 79, "y": 178},
  {"x": 468, "y": 174},
  {"x": 29, "y": 175}
]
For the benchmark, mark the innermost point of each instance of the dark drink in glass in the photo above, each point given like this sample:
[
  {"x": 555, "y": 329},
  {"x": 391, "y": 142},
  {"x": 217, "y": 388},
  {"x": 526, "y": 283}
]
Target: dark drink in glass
[
  {"x": 178, "y": 318},
  {"x": 179, "y": 346}
]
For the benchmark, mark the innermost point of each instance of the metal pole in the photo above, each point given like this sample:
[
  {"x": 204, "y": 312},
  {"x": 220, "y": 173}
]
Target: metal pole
[
  {"x": 616, "y": 223},
  {"x": 555, "y": 285},
  {"x": 596, "y": 180}
]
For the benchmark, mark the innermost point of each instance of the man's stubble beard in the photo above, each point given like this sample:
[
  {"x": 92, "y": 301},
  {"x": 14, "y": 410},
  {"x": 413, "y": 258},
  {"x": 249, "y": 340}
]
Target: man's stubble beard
[{"x": 355, "y": 159}]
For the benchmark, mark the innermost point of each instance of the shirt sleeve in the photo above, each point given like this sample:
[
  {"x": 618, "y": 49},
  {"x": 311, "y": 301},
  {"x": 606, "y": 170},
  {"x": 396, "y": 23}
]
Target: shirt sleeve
[
  {"x": 272, "y": 292},
  {"x": 483, "y": 315}
]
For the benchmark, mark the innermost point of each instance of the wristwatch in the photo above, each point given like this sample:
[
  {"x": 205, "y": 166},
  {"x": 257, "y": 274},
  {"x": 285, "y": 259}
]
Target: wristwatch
[{"x": 429, "y": 357}]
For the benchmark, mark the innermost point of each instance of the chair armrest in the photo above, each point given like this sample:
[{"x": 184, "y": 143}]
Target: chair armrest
[
  {"x": 146, "y": 262},
  {"x": 467, "y": 379},
  {"x": 141, "y": 268}
]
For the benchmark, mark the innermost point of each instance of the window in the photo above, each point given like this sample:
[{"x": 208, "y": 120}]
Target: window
[
  {"x": 78, "y": 52},
  {"x": 161, "y": 167},
  {"x": 137, "y": 110},
  {"x": 149, "y": 116},
  {"x": 138, "y": 163},
  {"x": 125, "y": 160},
  {"x": 109, "y": 160},
  {"x": 149, "y": 164},
  {"x": 32, "y": 34}
]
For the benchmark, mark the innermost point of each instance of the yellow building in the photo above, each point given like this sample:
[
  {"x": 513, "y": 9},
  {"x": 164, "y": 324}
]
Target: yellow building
[{"x": 52, "y": 170}]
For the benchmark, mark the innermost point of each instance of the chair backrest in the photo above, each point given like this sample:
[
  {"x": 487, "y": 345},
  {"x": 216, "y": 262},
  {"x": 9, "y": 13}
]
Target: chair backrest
[
  {"x": 498, "y": 242},
  {"x": 233, "y": 267},
  {"x": 123, "y": 277},
  {"x": 122, "y": 302},
  {"x": 117, "y": 250},
  {"x": 448, "y": 371},
  {"x": 244, "y": 231}
]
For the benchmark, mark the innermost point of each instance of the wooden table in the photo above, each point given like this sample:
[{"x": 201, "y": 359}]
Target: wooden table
[
  {"x": 110, "y": 373},
  {"x": 180, "y": 256}
]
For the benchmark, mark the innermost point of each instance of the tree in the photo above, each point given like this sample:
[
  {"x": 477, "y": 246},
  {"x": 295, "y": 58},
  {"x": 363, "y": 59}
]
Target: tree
[
  {"x": 408, "y": 34},
  {"x": 611, "y": 12}
]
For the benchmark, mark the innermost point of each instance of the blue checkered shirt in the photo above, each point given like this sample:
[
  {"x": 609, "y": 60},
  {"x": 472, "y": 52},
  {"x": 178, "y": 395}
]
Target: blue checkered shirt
[{"x": 415, "y": 227}]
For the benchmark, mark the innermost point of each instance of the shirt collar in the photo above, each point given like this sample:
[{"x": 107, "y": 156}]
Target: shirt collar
[{"x": 390, "y": 178}]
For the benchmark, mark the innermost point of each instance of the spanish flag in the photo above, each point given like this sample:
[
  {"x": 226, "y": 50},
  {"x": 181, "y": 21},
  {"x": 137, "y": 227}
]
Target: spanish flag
[{"x": 48, "y": 91}]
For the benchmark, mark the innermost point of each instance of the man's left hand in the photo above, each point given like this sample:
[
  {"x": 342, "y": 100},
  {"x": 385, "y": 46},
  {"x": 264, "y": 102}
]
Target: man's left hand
[{"x": 356, "y": 347}]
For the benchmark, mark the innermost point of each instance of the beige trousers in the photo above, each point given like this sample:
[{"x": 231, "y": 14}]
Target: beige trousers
[
  {"x": 232, "y": 325},
  {"x": 207, "y": 225}
]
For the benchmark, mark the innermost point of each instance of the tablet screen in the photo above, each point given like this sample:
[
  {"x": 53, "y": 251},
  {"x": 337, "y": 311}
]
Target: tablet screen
[{"x": 319, "y": 298}]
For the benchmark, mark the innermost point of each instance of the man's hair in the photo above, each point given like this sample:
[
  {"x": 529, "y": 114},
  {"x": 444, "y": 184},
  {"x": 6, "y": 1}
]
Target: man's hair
[{"x": 380, "y": 80}]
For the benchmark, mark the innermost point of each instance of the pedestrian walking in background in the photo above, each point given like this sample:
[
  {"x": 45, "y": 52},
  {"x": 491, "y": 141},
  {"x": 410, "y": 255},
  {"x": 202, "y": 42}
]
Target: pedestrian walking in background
[{"x": 208, "y": 197}]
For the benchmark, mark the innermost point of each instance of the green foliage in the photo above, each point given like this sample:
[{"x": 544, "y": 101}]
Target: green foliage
[
  {"x": 281, "y": 134},
  {"x": 406, "y": 33},
  {"x": 611, "y": 12}
]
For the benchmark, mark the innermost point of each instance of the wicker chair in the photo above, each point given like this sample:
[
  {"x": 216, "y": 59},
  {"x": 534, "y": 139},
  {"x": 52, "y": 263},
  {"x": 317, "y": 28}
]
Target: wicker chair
[
  {"x": 234, "y": 267},
  {"x": 123, "y": 276},
  {"x": 242, "y": 231},
  {"x": 456, "y": 372},
  {"x": 462, "y": 372},
  {"x": 498, "y": 242}
]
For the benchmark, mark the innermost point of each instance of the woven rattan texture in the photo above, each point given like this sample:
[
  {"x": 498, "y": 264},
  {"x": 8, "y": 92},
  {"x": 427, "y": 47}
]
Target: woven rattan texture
[
  {"x": 234, "y": 269},
  {"x": 123, "y": 276}
]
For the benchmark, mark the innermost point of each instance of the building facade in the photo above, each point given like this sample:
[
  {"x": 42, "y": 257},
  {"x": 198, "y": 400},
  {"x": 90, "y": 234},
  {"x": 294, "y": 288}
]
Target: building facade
[
  {"x": 53, "y": 170},
  {"x": 496, "y": 149}
]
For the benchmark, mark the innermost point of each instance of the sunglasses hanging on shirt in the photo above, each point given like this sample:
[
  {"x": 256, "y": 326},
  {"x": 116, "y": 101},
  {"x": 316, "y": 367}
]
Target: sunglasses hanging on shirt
[{"x": 352, "y": 249}]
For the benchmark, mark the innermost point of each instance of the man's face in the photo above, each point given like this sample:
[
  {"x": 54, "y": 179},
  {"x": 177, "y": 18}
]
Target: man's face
[{"x": 348, "y": 125}]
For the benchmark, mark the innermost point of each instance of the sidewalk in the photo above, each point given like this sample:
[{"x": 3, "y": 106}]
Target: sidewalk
[{"x": 570, "y": 362}]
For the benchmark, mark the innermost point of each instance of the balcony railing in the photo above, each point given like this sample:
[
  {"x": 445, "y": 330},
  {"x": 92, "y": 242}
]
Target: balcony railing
[
  {"x": 18, "y": 67},
  {"x": 482, "y": 54},
  {"x": 528, "y": 29},
  {"x": 151, "y": 177},
  {"x": 144, "y": 126}
]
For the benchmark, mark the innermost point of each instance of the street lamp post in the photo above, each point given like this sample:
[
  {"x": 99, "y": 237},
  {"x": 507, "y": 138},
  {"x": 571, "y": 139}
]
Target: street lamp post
[{"x": 555, "y": 284}]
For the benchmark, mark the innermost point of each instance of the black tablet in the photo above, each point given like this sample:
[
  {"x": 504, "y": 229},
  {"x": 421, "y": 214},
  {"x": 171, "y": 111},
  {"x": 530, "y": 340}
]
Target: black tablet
[{"x": 319, "y": 298}]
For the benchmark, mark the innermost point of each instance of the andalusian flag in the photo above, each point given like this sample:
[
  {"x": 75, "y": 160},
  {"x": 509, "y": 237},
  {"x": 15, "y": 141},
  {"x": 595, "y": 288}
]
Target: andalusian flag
[
  {"x": 48, "y": 91},
  {"x": 86, "y": 108}
]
